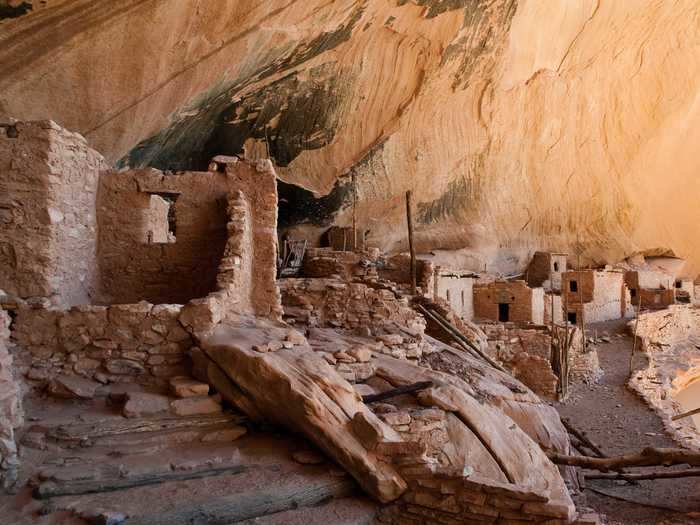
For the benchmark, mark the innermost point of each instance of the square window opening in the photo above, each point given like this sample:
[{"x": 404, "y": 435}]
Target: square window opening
[
  {"x": 571, "y": 317},
  {"x": 161, "y": 222},
  {"x": 573, "y": 286}
]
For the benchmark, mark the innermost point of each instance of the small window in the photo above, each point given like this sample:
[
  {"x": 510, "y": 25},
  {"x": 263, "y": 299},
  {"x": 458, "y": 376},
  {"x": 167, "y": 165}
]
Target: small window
[
  {"x": 571, "y": 317},
  {"x": 503, "y": 312},
  {"x": 160, "y": 220},
  {"x": 447, "y": 295},
  {"x": 573, "y": 286},
  {"x": 463, "y": 299},
  {"x": 679, "y": 284},
  {"x": 633, "y": 292},
  {"x": 556, "y": 266}
]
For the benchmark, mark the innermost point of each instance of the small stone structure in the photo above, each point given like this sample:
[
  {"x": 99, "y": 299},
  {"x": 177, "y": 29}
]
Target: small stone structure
[
  {"x": 545, "y": 270},
  {"x": 593, "y": 296},
  {"x": 509, "y": 301},
  {"x": 653, "y": 289},
  {"x": 457, "y": 288}
]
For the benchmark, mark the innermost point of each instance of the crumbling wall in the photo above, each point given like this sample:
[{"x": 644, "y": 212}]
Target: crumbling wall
[
  {"x": 527, "y": 354},
  {"x": 657, "y": 299},
  {"x": 135, "y": 268},
  {"x": 10, "y": 406},
  {"x": 141, "y": 343},
  {"x": 331, "y": 302},
  {"x": 516, "y": 294},
  {"x": 48, "y": 187}
]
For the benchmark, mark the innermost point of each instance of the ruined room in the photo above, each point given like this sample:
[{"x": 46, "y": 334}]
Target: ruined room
[{"x": 349, "y": 262}]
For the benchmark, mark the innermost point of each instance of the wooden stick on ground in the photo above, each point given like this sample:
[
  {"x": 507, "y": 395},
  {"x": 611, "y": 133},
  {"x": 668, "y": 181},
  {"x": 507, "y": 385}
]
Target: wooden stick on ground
[
  {"x": 649, "y": 457},
  {"x": 252, "y": 504},
  {"x": 656, "y": 474},
  {"x": 49, "y": 489},
  {"x": 398, "y": 391},
  {"x": 583, "y": 437}
]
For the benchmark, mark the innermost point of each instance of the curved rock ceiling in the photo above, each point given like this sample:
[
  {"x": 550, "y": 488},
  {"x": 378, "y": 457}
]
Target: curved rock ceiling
[{"x": 519, "y": 124}]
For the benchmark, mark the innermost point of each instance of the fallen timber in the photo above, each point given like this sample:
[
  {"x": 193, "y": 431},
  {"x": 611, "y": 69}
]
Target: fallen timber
[
  {"x": 50, "y": 489},
  {"x": 649, "y": 457},
  {"x": 251, "y": 504}
]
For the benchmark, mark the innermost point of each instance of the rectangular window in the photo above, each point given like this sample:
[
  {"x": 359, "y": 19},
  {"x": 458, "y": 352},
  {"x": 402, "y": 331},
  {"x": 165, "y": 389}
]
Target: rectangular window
[
  {"x": 633, "y": 292},
  {"x": 571, "y": 317},
  {"x": 573, "y": 286}
]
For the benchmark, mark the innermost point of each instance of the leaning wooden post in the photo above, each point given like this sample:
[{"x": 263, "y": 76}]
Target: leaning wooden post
[
  {"x": 411, "y": 247},
  {"x": 634, "y": 342},
  {"x": 354, "y": 213}
]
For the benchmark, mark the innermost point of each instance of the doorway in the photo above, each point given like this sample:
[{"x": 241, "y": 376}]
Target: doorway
[{"x": 503, "y": 312}]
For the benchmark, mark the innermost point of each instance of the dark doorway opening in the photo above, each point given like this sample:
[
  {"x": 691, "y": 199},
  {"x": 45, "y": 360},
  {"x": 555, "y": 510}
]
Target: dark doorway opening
[
  {"x": 571, "y": 316},
  {"x": 573, "y": 286},
  {"x": 503, "y": 312}
]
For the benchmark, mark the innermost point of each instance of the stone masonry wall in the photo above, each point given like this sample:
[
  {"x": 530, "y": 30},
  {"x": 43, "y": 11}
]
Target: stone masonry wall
[
  {"x": 332, "y": 302},
  {"x": 139, "y": 343},
  {"x": 134, "y": 269},
  {"x": 48, "y": 186},
  {"x": 517, "y": 294},
  {"x": 10, "y": 407}
]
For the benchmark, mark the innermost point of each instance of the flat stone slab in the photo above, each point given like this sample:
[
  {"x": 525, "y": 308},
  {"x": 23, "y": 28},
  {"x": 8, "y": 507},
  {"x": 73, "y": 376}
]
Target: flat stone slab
[
  {"x": 140, "y": 404},
  {"x": 72, "y": 387}
]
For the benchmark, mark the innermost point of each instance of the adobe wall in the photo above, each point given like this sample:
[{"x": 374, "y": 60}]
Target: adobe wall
[
  {"x": 10, "y": 406},
  {"x": 517, "y": 294},
  {"x": 656, "y": 299},
  {"x": 607, "y": 298},
  {"x": 458, "y": 292},
  {"x": 132, "y": 343},
  {"x": 48, "y": 187},
  {"x": 545, "y": 270},
  {"x": 134, "y": 269},
  {"x": 585, "y": 286}
]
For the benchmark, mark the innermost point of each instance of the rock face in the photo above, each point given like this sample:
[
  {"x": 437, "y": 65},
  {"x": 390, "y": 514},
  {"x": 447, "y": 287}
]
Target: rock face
[{"x": 510, "y": 133}]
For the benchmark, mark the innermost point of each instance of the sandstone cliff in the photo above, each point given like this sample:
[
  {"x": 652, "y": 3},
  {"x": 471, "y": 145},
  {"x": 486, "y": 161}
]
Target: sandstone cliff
[{"x": 519, "y": 124}]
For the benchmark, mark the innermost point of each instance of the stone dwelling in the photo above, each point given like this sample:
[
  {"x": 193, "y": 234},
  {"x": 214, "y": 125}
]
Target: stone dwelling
[
  {"x": 457, "y": 288},
  {"x": 653, "y": 289},
  {"x": 506, "y": 301},
  {"x": 545, "y": 270},
  {"x": 593, "y": 296},
  {"x": 685, "y": 290}
]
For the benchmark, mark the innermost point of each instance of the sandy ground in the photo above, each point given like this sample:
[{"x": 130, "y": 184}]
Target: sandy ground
[{"x": 619, "y": 421}]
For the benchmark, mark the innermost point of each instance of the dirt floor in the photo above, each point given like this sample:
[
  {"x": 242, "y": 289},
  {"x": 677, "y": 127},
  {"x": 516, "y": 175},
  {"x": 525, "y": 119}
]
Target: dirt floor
[{"x": 619, "y": 421}]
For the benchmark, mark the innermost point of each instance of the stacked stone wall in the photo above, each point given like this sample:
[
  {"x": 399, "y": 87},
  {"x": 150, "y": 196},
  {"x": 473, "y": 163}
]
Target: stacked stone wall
[
  {"x": 331, "y": 302},
  {"x": 10, "y": 407},
  {"x": 48, "y": 187},
  {"x": 134, "y": 343},
  {"x": 516, "y": 294}
]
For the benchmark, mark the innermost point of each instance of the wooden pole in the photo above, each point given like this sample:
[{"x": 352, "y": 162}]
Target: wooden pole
[
  {"x": 411, "y": 247},
  {"x": 636, "y": 325},
  {"x": 354, "y": 213},
  {"x": 686, "y": 414}
]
